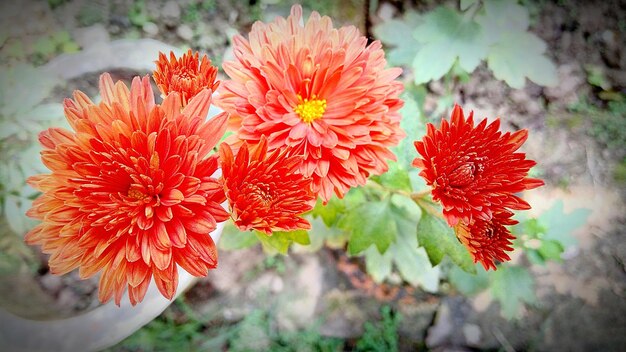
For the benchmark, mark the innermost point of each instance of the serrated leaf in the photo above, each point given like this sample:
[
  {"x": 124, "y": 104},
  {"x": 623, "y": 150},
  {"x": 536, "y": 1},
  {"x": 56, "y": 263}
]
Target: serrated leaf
[
  {"x": 469, "y": 284},
  {"x": 447, "y": 37},
  {"x": 404, "y": 254},
  {"x": 369, "y": 224},
  {"x": 512, "y": 286},
  {"x": 560, "y": 225},
  {"x": 410, "y": 259},
  {"x": 500, "y": 16},
  {"x": 330, "y": 212},
  {"x": 233, "y": 239},
  {"x": 439, "y": 240},
  {"x": 280, "y": 241},
  {"x": 519, "y": 55},
  {"x": 393, "y": 33}
]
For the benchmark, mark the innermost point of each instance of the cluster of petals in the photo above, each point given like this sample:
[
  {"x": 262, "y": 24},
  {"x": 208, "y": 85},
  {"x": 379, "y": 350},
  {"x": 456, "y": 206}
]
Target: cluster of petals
[
  {"x": 488, "y": 240},
  {"x": 187, "y": 75},
  {"x": 265, "y": 191},
  {"x": 476, "y": 172},
  {"x": 321, "y": 92},
  {"x": 131, "y": 193}
]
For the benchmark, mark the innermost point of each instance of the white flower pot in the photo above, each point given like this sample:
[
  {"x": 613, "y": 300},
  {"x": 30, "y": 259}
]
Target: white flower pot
[{"x": 99, "y": 328}]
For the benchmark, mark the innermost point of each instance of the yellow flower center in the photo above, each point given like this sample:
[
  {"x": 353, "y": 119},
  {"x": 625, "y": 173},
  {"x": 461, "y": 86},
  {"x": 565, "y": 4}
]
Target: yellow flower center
[
  {"x": 135, "y": 193},
  {"x": 310, "y": 109}
]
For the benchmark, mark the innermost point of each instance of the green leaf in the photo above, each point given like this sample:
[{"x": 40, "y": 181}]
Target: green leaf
[
  {"x": 396, "y": 178},
  {"x": 439, "y": 240},
  {"x": 512, "y": 286},
  {"x": 393, "y": 33},
  {"x": 534, "y": 257},
  {"x": 404, "y": 253},
  {"x": 378, "y": 265},
  {"x": 518, "y": 55},
  {"x": 233, "y": 239},
  {"x": 560, "y": 225},
  {"x": 330, "y": 212},
  {"x": 514, "y": 53},
  {"x": 469, "y": 284},
  {"x": 321, "y": 234},
  {"x": 551, "y": 249},
  {"x": 413, "y": 124},
  {"x": 280, "y": 241},
  {"x": 413, "y": 263},
  {"x": 500, "y": 16},
  {"x": 446, "y": 37},
  {"x": 369, "y": 223}
]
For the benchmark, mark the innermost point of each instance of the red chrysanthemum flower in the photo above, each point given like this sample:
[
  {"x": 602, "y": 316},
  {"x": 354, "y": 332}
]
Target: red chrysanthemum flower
[
  {"x": 131, "y": 192},
  {"x": 474, "y": 170},
  {"x": 321, "y": 91},
  {"x": 265, "y": 191},
  {"x": 487, "y": 241},
  {"x": 187, "y": 75}
]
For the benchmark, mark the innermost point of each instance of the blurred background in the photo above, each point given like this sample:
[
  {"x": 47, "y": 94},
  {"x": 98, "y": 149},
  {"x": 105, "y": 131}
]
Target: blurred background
[{"x": 558, "y": 70}]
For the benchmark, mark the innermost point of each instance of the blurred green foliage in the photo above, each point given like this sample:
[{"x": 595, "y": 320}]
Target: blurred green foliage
[
  {"x": 495, "y": 31},
  {"x": 41, "y": 50},
  {"x": 381, "y": 336},
  {"x": 192, "y": 12},
  {"x": 138, "y": 14},
  {"x": 541, "y": 239}
]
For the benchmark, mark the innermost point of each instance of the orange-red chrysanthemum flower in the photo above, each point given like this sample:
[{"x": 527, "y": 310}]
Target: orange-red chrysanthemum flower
[
  {"x": 487, "y": 241},
  {"x": 131, "y": 192},
  {"x": 474, "y": 171},
  {"x": 187, "y": 75},
  {"x": 320, "y": 91},
  {"x": 265, "y": 191}
]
